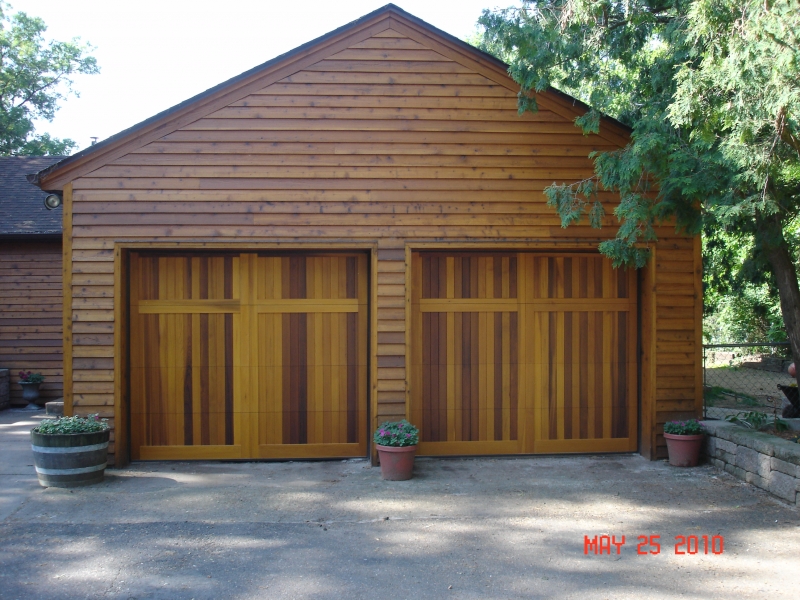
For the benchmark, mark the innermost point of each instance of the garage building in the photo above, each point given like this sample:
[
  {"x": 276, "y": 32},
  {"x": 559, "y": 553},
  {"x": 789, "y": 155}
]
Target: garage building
[{"x": 353, "y": 232}]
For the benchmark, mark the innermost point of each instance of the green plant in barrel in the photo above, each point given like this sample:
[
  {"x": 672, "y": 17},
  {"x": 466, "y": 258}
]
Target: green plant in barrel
[{"x": 70, "y": 451}]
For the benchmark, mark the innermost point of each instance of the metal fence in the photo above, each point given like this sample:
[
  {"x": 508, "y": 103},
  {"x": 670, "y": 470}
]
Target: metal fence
[{"x": 744, "y": 378}]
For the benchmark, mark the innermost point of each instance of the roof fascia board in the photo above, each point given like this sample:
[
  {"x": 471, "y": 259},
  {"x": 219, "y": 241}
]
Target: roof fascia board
[
  {"x": 497, "y": 71},
  {"x": 30, "y": 237},
  {"x": 203, "y": 106}
]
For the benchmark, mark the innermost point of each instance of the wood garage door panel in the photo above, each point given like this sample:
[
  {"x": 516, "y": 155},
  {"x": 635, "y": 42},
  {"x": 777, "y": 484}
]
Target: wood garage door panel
[
  {"x": 470, "y": 375},
  {"x": 465, "y": 355},
  {"x": 583, "y": 388},
  {"x": 186, "y": 277},
  {"x": 582, "y": 362},
  {"x": 576, "y": 277},
  {"x": 522, "y": 352},
  {"x": 311, "y": 361},
  {"x": 240, "y": 356},
  {"x": 467, "y": 276},
  {"x": 315, "y": 391},
  {"x": 183, "y": 386},
  {"x": 308, "y": 277}
]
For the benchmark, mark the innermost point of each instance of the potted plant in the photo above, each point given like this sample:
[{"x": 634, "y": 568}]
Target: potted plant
[
  {"x": 30, "y": 383},
  {"x": 70, "y": 451},
  {"x": 684, "y": 439},
  {"x": 396, "y": 443}
]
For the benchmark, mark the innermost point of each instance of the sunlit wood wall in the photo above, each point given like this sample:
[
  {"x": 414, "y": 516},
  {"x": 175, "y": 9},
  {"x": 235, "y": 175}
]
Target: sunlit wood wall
[{"x": 385, "y": 135}]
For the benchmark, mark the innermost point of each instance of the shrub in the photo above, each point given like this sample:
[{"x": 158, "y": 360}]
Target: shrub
[
  {"x": 690, "y": 427},
  {"x": 396, "y": 434},
  {"x": 89, "y": 424}
]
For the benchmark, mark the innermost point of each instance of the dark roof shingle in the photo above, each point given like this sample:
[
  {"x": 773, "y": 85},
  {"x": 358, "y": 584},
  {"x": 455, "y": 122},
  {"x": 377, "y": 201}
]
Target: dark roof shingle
[{"x": 22, "y": 210}]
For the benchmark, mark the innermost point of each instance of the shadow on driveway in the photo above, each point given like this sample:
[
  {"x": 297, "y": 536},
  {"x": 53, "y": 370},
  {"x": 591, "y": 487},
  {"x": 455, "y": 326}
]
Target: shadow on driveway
[{"x": 462, "y": 528}]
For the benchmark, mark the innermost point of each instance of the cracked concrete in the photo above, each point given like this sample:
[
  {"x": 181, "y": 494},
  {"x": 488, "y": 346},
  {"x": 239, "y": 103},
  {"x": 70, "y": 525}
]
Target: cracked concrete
[{"x": 462, "y": 528}]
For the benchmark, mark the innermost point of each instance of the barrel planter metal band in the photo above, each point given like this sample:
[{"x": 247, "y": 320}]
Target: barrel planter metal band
[{"x": 70, "y": 459}]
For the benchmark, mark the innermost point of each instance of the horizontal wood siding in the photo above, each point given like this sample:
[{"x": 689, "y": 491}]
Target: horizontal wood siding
[
  {"x": 30, "y": 315},
  {"x": 678, "y": 334},
  {"x": 396, "y": 138}
]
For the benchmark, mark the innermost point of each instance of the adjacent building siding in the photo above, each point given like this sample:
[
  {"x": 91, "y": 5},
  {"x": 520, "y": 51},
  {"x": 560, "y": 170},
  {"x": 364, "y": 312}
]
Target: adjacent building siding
[{"x": 30, "y": 315}]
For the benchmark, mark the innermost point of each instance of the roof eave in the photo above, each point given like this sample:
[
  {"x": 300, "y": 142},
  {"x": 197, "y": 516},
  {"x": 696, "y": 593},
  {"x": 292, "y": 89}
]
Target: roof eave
[{"x": 46, "y": 236}]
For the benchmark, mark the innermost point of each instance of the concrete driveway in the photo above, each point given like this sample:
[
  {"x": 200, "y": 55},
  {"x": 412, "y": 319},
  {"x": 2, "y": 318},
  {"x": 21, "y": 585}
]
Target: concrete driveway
[{"x": 462, "y": 528}]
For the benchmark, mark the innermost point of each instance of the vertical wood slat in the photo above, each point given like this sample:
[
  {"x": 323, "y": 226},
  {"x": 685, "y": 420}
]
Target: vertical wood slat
[
  {"x": 228, "y": 336},
  {"x": 66, "y": 286},
  {"x": 135, "y": 353}
]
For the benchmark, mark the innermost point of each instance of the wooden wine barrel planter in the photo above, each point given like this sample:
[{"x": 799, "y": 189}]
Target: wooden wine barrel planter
[{"x": 70, "y": 460}]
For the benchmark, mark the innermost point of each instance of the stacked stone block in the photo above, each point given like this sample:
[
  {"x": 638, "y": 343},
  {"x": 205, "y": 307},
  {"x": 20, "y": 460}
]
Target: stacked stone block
[{"x": 765, "y": 461}]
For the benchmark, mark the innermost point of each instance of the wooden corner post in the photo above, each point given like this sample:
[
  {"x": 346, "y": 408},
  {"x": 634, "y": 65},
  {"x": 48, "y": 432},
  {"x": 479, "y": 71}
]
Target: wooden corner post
[
  {"x": 121, "y": 363},
  {"x": 647, "y": 440},
  {"x": 66, "y": 284}
]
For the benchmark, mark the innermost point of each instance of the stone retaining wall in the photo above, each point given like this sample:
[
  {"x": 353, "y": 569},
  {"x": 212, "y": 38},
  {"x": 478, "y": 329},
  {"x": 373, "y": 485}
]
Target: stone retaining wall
[{"x": 765, "y": 461}]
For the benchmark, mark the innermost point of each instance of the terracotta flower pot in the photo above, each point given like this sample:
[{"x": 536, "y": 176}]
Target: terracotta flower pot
[
  {"x": 397, "y": 464},
  {"x": 684, "y": 450}
]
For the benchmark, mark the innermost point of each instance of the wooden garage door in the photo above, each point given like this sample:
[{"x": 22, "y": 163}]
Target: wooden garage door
[
  {"x": 248, "y": 355},
  {"x": 523, "y": 353}
]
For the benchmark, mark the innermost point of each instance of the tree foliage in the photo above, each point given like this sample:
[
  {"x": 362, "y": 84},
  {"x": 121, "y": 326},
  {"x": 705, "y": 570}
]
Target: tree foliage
[
  {"x": 35, "y": 76},
  {"x": 711, "y": 90},
  {"x": 740, "y": 301}
]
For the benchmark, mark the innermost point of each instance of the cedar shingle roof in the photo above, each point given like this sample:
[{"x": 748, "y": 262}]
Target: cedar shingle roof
[{"x": 22, "y": 210}]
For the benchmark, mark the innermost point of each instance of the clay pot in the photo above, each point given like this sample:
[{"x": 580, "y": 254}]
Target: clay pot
[
  {"x": 397, "y": 464},
  {"x": 684, "y": 450},
  {"x": 792, "y": 370}
]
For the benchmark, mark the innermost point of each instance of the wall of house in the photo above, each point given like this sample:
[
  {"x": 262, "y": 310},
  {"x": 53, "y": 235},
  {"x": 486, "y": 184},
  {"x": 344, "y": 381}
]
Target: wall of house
[
  {"x": 31, "y": 315},
  {"x": 389, "y": 137}
]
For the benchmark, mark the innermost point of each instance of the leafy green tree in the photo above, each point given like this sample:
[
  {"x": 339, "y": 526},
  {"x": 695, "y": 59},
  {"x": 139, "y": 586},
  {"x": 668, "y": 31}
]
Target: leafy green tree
[
  {"x": 711, "y": 90},
  {"x": 740, "y": 301},
  {"x": 34, "y": 77}
]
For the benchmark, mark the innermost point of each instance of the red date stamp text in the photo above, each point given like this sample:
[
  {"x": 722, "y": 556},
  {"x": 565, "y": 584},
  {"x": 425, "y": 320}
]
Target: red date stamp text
[{"x": 652, "y": 544}]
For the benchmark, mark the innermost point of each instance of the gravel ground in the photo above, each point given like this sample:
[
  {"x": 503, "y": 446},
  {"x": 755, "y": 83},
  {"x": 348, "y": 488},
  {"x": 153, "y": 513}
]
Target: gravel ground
[
  {"x": 462, "y": 528},
  {"x": 758, "y": 384}
]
